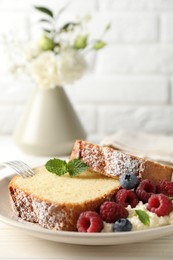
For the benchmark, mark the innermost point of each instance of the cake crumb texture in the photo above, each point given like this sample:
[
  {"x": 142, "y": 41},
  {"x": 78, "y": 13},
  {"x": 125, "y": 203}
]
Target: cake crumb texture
[{"x": 55, "y": 202}]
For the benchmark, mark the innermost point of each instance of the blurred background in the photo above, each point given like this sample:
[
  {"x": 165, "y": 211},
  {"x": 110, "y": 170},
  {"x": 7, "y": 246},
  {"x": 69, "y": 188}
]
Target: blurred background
[{"x": 129, "y": 84}]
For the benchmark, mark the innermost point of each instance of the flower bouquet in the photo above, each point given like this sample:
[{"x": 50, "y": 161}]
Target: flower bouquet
[
  {"x": 58, "y": 58},
  {"x": 50, "y": 125}
]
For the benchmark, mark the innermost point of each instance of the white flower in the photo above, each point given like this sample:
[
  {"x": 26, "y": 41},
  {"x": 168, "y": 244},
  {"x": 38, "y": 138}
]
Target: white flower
[
  {"x": 71, "y": 66},
  {"x": 50, "y": 70},
  {"x": 31, "y": 51},
  {"x": 45, "y": 70}
]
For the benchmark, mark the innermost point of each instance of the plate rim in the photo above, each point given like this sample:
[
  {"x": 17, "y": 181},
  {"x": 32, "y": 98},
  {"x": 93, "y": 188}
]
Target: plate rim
[{"x": 35, "y": 228}]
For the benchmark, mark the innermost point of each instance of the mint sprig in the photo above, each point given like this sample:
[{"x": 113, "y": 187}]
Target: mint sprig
[
  {"x": 76, "y": 166},
  {"x": 56, "y": 166},
  {"x": 143, "y": 216},
  {"x": 60, "y": 167}
]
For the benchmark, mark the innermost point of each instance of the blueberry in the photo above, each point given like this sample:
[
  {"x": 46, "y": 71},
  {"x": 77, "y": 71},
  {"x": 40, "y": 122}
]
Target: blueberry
[
  {"x": 128, "y": 181},
  {"x": 121, "y": 225}
]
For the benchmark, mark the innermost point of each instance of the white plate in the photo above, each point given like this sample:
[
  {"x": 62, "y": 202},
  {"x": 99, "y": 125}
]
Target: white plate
[{"x": 6, "y": 215}]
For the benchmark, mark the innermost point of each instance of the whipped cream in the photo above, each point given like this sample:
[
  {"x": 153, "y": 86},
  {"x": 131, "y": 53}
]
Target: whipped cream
[
  {"x": 137, "y": 225},
  {"x": 107, "y": 227},
  {"x": 155, "y": 221}
]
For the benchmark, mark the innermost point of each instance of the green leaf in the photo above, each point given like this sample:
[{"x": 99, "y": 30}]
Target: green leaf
[
  {"x": 143, "y": 216},
  {"x": 57, "y": 44},
  {"x": 44, "y": 21},
  {"x": 108, "y": 27},
  {"x": 57, "y": 166},
  {"x": 68, "y": 27},
  {"x": 44, "y": 10},
  {"x": 47, "y": 30},
  {"x": 60, "y": 167},
  {"x": 76, "y": 166},
  {"x": 99, "y": 45},
  {"x": 80, "y": 42}
]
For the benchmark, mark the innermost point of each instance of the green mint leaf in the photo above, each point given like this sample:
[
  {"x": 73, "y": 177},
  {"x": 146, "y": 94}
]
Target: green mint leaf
[
  {"x": 143, "y": 216},
  {"x": 80, "y": 42},
  {"x": 60, "y": 167},
  {"x": 57, "y": 166},
  {"x": 76, "y": 166},
  {"x": 99, "y": 45},
  {"x": 44, "y": 10}
]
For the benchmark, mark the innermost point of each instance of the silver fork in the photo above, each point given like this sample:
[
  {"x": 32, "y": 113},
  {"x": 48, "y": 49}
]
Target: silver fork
[{"x": 20, "y": 167}]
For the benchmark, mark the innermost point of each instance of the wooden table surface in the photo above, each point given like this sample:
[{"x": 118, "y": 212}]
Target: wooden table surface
[{"x": 16, "y": 244}]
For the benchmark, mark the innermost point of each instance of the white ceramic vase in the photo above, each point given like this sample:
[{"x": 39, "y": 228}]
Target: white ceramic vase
[{"x": 49, "y": 125}]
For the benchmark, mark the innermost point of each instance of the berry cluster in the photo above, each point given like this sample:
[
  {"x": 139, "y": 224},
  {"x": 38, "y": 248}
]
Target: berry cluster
[
  {"x": 156, "y": 195},
  {"x": 132, "y": 191}
]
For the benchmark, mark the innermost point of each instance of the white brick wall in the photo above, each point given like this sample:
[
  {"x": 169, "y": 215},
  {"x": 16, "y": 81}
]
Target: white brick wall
[
  {"x": 145, "y": 59},
  {"x": 127, "y": 27},
  {"x": 113, "y": 89},
  {"x": 129, "y": 84},
  {"x": 150, "y": 119},
  {"x": 137, "y": 5}
]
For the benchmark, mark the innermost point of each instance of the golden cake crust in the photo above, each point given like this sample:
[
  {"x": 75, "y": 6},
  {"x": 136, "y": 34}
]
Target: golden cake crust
[
  {"x": 58, "y": 216},
  {"x": 113, "y": 163}
]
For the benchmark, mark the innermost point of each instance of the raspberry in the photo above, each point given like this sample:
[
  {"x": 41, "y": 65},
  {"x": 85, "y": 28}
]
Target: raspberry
[
  {"x": 126, "y": 197},
  {"x": 89, "y": 221},
  {"x": 160, "y": 204},
  {"x": 111, "y": 211},
  {"x": 165, "y": 187},
  {"x": 145, "y": 189}
]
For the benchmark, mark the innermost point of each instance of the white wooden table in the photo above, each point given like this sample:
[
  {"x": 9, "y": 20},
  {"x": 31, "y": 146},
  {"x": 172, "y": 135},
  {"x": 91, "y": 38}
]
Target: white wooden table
[{"x": 15, "y": 244}]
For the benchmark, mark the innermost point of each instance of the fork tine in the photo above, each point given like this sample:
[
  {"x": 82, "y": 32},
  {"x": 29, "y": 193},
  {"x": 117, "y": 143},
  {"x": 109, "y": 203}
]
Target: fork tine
[
  {"x": 20, "y": 169},
  {"x": 15, "y": 168},
  {"x": 27, "y": 169},
  {"x": 23, "y": 168}
]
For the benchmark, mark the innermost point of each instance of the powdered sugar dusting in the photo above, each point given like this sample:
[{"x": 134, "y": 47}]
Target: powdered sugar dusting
[
  {"x": 46, "y": 214},
  {"x": 118, "y": 163},
  {"x": 93, "y": 156},
  {"x": 109, "y": 161}
]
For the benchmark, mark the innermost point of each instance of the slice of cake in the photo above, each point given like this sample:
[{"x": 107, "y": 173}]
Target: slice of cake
[
  {"x": 55, "y": 202},
  {"x": 114, "y": 163}
]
